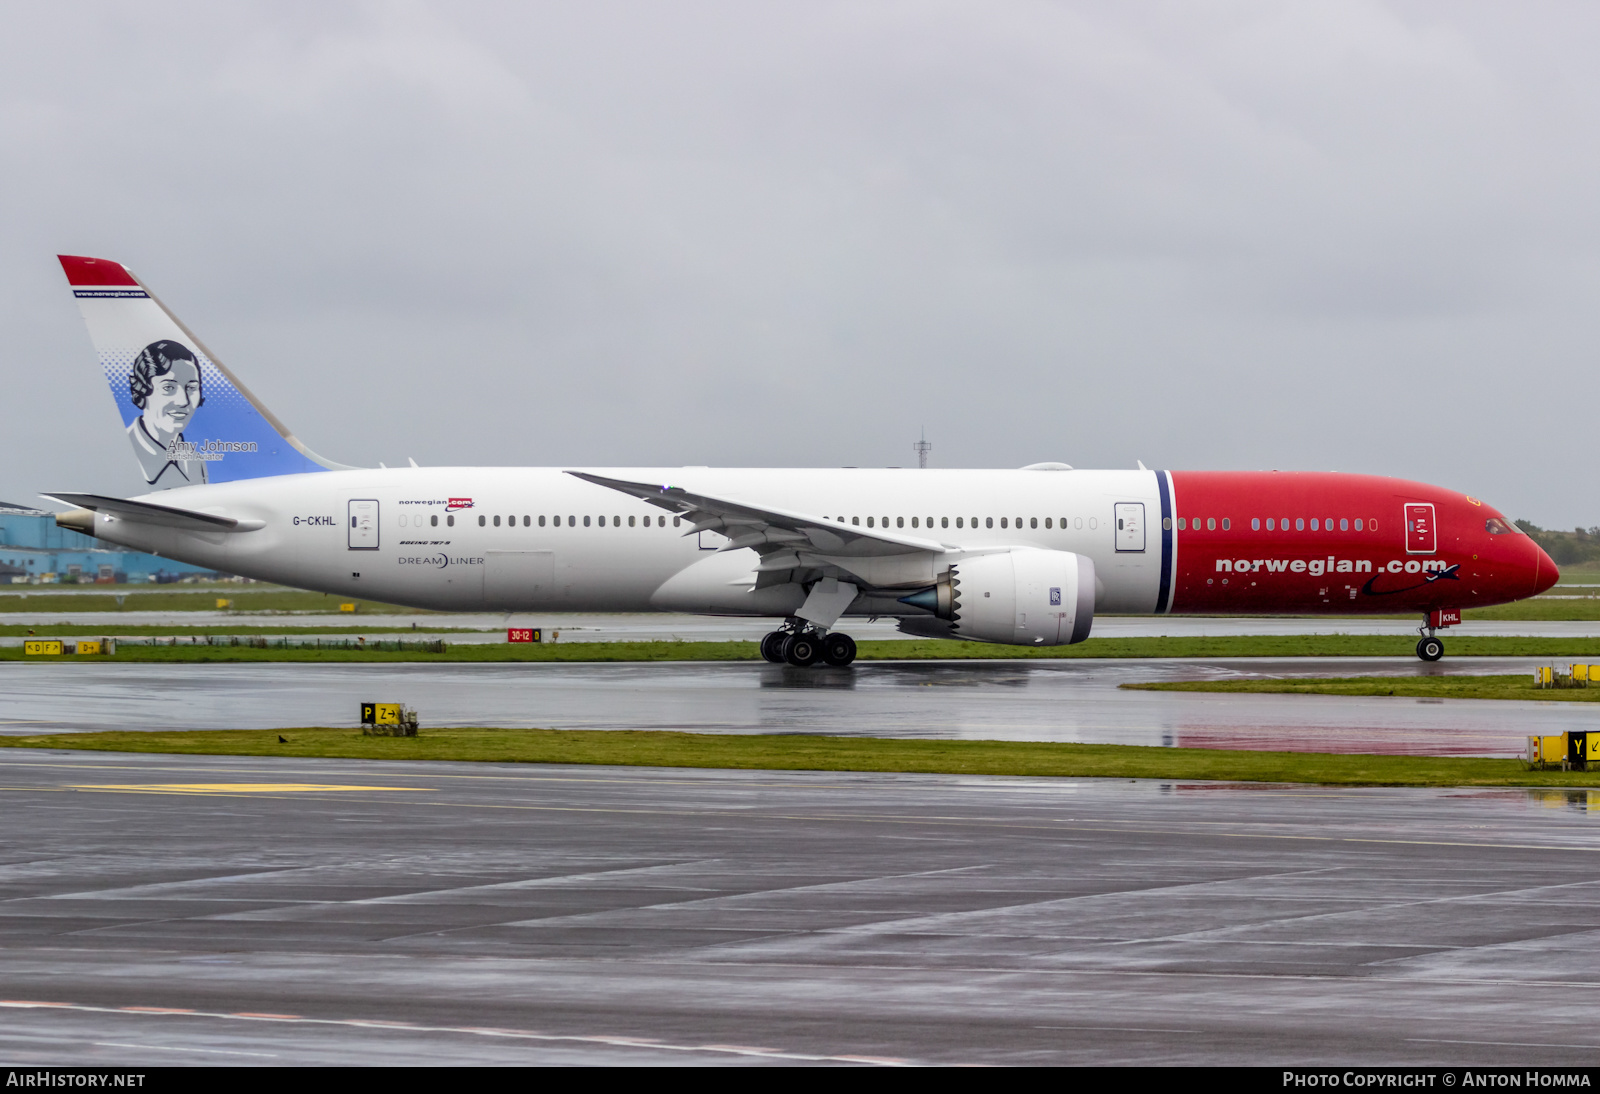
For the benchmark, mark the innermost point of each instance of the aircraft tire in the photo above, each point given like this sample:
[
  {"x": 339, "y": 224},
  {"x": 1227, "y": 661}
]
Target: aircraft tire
[
  {"x": 801, "y": 650},
  {"x": 1430, "y": 648},
  {"x": 838, "y": 650},
  {"x": 772, "y": 647}
]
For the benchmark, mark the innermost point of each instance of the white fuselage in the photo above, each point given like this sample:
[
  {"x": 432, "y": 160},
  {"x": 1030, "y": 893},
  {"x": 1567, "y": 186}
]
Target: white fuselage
[{"x": 538, "y": 539}]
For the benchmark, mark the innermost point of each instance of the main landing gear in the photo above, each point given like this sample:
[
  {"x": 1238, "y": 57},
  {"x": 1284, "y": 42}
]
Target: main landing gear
[{"x": 803, "y": 645}]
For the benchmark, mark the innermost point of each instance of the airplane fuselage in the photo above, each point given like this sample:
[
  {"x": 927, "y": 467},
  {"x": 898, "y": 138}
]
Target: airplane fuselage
[{"x": 540, "y": 539}]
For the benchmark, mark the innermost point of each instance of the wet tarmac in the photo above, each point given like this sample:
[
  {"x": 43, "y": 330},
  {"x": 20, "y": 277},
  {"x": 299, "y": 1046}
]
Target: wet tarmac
[
  {"x": 667, "y": 627},
  {"x": 159, "y": 910},
  {"x": 1077, "y": 700}
]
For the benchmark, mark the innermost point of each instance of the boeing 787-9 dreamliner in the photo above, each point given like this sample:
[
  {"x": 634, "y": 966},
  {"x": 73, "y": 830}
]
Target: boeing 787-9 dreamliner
[{"x": 1024, "y": 557}]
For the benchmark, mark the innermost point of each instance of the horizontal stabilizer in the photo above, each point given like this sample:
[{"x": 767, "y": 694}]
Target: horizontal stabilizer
[{"x": 165, "y": 516}]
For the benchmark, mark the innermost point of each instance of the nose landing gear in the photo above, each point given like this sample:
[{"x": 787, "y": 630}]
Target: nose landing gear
[
  {"x": 1430, "y": 647},
  {"x": 801, "y": 646}
]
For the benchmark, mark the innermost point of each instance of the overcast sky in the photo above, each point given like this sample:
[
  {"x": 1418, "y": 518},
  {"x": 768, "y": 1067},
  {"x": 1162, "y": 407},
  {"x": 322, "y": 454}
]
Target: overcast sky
[{"x": 1337, "y": 236}]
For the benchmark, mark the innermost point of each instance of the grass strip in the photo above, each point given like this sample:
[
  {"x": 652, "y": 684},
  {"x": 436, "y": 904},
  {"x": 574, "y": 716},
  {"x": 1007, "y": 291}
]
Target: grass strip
[
  {"x": 111, "y": 626},
  {"x": 1585, "y": 607},
  {"x": 155, "y": 600},
  {"x": 642, "y": 748},
  {"x": 1327, "y": 645},
  {"x": 1413, "y": 687}
]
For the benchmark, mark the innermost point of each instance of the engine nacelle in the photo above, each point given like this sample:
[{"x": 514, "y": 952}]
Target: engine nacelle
[{"x": 1026, "y": 597}]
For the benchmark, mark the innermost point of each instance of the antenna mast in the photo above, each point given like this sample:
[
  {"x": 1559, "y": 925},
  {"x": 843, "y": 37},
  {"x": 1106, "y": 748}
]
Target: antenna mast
[{"x": 922, "y": 448}]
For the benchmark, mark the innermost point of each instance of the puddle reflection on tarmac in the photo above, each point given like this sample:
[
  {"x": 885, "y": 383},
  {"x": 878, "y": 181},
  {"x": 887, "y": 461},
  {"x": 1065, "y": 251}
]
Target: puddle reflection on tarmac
[{"x": 1043, "y": 701}]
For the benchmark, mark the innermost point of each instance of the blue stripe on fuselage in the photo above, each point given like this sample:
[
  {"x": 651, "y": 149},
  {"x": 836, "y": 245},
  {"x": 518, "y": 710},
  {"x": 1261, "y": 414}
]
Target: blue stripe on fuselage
[{"x": 1164, "y": 591}]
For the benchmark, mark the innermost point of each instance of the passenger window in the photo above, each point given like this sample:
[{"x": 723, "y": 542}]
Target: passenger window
[
  {"x": 1299, "y": 524},
  {"x": 1183, "y": 524},
  {"x": 1269, "y": 524},
  {"x": 886, "y": 522},
  {"x": 988, "y": 522},
  {"x": 1313, "y": 524},
  {"x": 900, "y": 522},
  {"x": 434, "y": 520},
  {"x": 630, "y": 521},
  {"x": 586, "y": 522},
  {"x": 855, "y": 520},
  {"x": 930, "y": 522},
  {"x": 450, "y": 521},
  {"x": 869, "y": 522},
  {"x": 1047, "y": 523},
  {"x": 1002, "y": 522},
  {"x": 958, "y": 522},
  {"x": 1344, "y": 524},
  {"x": 481, "y": 520},
  {"x": 541, "y": 521},
  {"x": 1255, "y": 524},
  {"x": 602, "y": 522},
  {"x": 1226, "y": 524},
  {"x": 913, "y": 522},
  {"x": 676, "y": 521},
  {"x": 1211, "y": 524},
  {"x": 944, "y": 522},
  {"x": 1358, "y": 524},
  {"x": 1033, "y": 522},
  {"x": 616, "y": 522},
  {"x": 1077, "y": 523}
]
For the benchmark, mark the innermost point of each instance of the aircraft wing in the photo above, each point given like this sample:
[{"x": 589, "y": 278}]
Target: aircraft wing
[
  {"x": 166, "y": 516},
  {"x": 769, "y": 530}
]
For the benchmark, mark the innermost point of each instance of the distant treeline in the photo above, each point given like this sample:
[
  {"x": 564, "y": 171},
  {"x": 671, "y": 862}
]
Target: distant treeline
[{"x": 1568, "y": 548}]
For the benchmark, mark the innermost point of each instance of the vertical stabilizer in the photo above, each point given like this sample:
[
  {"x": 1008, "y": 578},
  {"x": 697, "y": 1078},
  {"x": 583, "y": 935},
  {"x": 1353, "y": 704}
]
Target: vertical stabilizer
[{"x": 189, "y": 419}]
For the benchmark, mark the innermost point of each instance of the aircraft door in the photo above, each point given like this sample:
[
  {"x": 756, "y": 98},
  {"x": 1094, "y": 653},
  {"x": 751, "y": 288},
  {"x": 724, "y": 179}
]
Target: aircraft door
[
  {"x": 1130, "y": 525},
  {"x": 363, "y": 524},
  {"x": 1420, "y": 536}
]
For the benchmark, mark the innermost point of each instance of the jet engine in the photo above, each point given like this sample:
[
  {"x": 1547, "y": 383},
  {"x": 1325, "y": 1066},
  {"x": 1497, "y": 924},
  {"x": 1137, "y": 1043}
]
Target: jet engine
[{"x": 1026, "y": 597}]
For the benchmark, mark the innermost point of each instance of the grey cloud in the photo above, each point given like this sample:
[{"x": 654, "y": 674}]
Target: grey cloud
[{"x": 1354, "y": 236}]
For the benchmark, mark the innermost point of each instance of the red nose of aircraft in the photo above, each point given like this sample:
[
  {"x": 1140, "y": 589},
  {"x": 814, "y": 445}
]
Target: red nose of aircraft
[{"x": 1545, "y": 573}]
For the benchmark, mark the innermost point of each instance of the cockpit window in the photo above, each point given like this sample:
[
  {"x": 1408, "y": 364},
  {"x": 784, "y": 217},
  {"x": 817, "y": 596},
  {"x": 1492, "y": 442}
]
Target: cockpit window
[{"x": 1498, "y": 527}]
